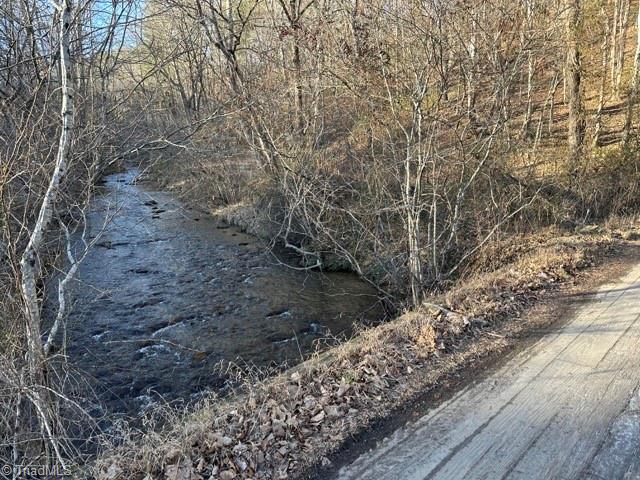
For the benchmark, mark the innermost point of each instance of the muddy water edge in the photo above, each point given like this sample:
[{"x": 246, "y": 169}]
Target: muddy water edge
[{"x": 167, "y": 293}]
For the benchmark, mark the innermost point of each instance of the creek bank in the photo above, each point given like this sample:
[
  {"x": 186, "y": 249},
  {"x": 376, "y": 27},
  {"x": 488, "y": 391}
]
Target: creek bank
[
  {"x": 255, "y": 215},
  {"x": 283, "y": 426}
]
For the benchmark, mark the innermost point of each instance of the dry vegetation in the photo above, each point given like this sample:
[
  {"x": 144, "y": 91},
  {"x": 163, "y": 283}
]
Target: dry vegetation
[
  {"x": 411, "y": 142},
  {"x": 396, "y": 142}
]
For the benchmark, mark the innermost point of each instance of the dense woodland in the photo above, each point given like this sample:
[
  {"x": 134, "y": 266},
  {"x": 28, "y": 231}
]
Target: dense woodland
[{"x": 395, "y": 139}]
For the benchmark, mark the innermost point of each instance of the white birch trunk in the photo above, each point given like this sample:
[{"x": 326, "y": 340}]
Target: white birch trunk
[
  {"x": 614, "y": 40},
  {"x": 29, "y": 261},
  {"x": 471, "y": 77},
  {"x": 29, "y": 268},
  {"x": 633, "y": 96},
  {"x": 622, "y": 39}
]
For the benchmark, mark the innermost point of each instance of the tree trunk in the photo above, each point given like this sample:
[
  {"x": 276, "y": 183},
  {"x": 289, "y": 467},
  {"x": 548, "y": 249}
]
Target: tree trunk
[
  {"x": 633, "y": 96},
  {"x": 623, "y": 23},
  {"x": 29, "y": 267},
  {"x": 294, "y": 5},
  {"x": 576, "y": 124},
  {"x": 29, "y": 261},
  {"x": 603, "y": 77},
  {"x": 614, "y": 41},
  {"x": 471, "y": 75},
  {"x": 527, "y": 30}
]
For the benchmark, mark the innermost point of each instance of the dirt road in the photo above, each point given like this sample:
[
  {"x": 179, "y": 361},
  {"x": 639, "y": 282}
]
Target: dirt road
[{"x": 566, "y": 408}]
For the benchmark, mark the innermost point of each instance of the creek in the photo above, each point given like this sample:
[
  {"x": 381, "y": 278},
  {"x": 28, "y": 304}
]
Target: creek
[{"x": 167, "y": 293}]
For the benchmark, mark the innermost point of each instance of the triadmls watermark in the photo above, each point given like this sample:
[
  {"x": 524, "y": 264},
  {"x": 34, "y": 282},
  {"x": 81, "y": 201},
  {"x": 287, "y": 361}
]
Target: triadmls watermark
[{"x": 28, "y": 472}]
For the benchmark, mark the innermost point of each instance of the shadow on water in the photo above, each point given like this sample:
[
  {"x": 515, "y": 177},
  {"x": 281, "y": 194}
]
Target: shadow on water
[{"x": 167, "y": 293}]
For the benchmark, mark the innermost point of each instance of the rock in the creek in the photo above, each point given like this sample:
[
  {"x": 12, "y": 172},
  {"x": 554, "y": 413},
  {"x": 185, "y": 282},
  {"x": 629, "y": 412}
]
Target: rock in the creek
[
  {"x": 279, "y": 313},
  {"x": 140, "y": 271},
  {"x": 199, "y": 356},
  {"x": 318, "y": 329}
]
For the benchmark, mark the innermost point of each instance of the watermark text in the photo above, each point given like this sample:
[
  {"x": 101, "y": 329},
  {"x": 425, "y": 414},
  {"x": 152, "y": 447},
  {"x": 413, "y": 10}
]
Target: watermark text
[{"x": 28, "y": 472}]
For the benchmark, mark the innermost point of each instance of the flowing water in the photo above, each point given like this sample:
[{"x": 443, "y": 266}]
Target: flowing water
[{"x": 168, "y": 292}]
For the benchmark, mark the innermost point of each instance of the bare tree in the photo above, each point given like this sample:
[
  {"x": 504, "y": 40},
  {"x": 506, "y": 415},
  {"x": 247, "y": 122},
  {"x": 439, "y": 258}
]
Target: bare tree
[
  {"x": 618, "y": 45},
  {"x": 603, "y": 76},
  {"x": 576, "y": 125},
  {"x": 635, "y": 83}
]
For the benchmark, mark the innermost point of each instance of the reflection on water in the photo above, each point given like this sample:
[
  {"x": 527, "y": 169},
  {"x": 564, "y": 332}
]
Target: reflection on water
[{"x": 167, "y": 293}]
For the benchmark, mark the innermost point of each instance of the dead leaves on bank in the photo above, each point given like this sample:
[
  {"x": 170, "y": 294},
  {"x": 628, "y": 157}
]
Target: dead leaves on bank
[
  {"x": 268, "y": 438},
  {"x": 282, "y": 425}
]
